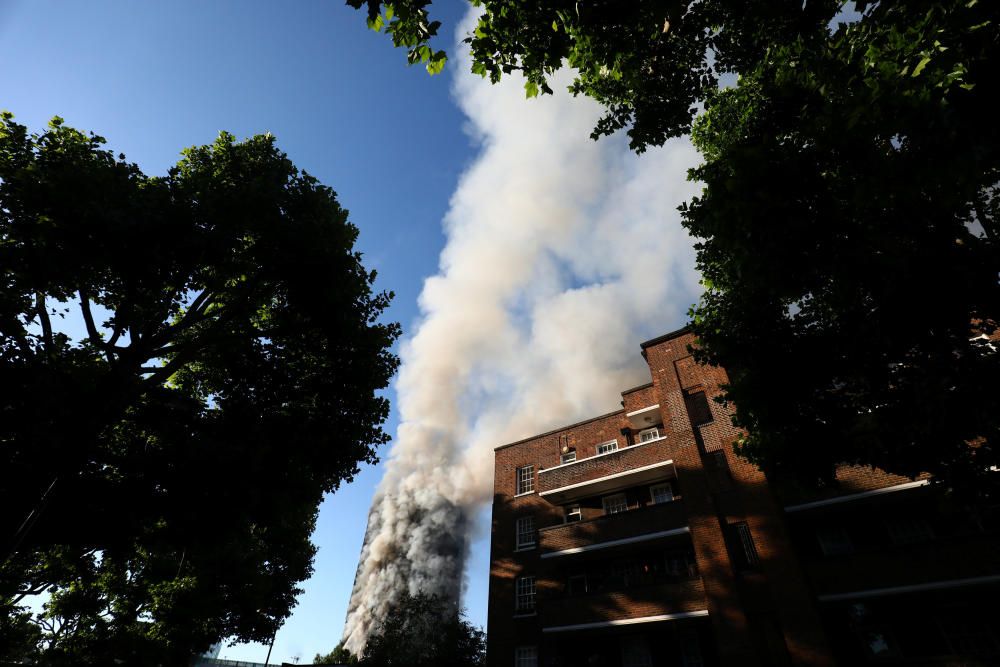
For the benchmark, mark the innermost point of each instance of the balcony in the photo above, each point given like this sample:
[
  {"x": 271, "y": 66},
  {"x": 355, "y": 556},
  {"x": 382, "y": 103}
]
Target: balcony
[
  {"x": 642, "y": 463},
  {"x": 639, "y": 525},
  {"x": 666, "y": 600}
]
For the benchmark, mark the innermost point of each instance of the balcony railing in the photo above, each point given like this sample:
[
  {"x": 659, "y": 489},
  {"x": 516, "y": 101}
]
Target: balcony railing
[
  {"x": 642, "y": 463},
  {"x": 638, "y": 525}
]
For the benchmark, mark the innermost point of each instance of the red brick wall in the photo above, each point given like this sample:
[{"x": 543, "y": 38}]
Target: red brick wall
[
  {"x": 651, "y": 519},
  {"x": 685, "y": 596},
  {"x": 639, "y": 398},
  {"x": 623, "y": 460}
]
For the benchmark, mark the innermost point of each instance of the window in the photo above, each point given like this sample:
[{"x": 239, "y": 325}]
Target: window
[
  {"x": 526, "y": 532},
  {"x": 635, "y": 652},
  {"x": 524, "y": 598},
  {"x": 661, "y": 493},
  {"x": 834, "y": 541},
  {"x": 690, "y": 650},
  {"x": 568, "y": 457},
  {"x": 968, "y": 635},
  {"x": 909, "y": 530},
  {"x": 649, "y": 434},
  {"x": 698, "y": 409},
  {"x": 576, "y": 584},
  {"x": 682, "y": 565},
  {"x": 525, "y": 479},
  {"x": 573, "y": 514},
  {"x": 606, "y": 447},
  {"x": 526, "y": 656},
  {"x": 615, "y": 504},
  {"x": 741, "y": 547}
]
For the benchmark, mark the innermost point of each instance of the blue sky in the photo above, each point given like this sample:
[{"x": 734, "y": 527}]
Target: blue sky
[
  {"x": 156, "y": 77},
  {"x": 528, "y": 261}
]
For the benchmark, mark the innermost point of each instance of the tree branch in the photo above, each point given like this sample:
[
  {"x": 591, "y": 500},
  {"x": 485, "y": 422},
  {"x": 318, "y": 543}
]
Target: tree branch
[
  {"x": 989, "y": 225},
  {"x": 43, "y": 317},
  {"x": 95, "y": 336}
]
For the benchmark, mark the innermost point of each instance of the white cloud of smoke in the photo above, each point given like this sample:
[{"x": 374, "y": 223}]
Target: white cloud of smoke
[{"x": 562, "y": 254}]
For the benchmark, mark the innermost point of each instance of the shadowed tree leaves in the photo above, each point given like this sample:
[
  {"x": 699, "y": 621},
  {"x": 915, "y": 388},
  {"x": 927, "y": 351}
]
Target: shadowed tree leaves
[
  {"x": 170, "y": 464},
  {"x": 424, "y": 631}
]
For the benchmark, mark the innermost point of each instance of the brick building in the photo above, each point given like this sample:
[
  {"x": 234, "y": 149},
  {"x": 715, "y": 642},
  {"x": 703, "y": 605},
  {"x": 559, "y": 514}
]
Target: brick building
[{"x": 638, "y": 539}]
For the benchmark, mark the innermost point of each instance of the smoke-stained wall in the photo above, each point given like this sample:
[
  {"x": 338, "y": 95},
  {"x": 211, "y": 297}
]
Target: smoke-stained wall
[{"x": 562, "y": 254}]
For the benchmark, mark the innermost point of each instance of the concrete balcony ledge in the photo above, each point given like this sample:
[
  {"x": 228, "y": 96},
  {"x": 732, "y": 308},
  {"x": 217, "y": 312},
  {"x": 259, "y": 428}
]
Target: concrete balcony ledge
[
  {"x": 642, "y": 463},
  {"x": 635, "y": 526}
]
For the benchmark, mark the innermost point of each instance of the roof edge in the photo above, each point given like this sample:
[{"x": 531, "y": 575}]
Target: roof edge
[
  {"x": 556, "y": 430},
  {"x": 665, "y": 337},
  {"x": 641, "y": 386}
]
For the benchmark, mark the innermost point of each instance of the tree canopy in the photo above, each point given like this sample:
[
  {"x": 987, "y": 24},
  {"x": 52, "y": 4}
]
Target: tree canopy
[
  {"x": 163, "y": 471},
  {"x": 424, "y": 631},
  {"x": 849, "y": 223}
]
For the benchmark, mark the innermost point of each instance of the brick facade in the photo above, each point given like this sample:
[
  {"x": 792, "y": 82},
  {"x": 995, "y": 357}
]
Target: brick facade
[{"x": 670, "y": 550}]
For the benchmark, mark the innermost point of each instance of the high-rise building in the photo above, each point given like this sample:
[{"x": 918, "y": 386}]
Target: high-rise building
[{"x": 638, "y": 539}]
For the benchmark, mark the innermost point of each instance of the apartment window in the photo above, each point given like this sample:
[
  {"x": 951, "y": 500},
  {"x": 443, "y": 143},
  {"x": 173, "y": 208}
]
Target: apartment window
[
  {"x": 909, "y": 530},
  {"x": 741, "y": 546},
  {"x": 526, "y": 656},
  {"x": 691, "y": 650},
  {"x": 615, "y": 504},
  {"x": 649, "y": 434},
  {"x": 661, "y": 493},
  {"x": 525, "y": 479},
  {"x": 526, "y": 532},
  {"x": 698, "y": 409},
  {"x": 573, "y": 513},
  {"x": 968, "y": 635},
  {"x": 606, "y": 447},
  {"x": 635, "y": 652},
  {"x": 576, "y": 584},
  {"x": 834, "y": 541},
  {"x": 524, "y": 600},
  {"x": 568, "y": 457},
  {"x": 682, "y": 565}
]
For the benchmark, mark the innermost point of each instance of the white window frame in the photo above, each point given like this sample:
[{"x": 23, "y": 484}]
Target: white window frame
[
  {"x": 524, "y": 595},
  {"x": 573, "y": 510},
  {"x": 526, "y": 656},
  {"x": 647, "y": 431},
  {"x": 524, "y": 533},
  {"x": 670, "y": 493},
  {"x": 611, "y": 445},
  {"x": 568, "y": 457},
  {"x": 525, "y": 482},
  {"x": 618, "y": 508}
]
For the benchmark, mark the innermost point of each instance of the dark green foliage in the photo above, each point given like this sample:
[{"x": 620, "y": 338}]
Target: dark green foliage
[
  {"x": 338, "y": 656},
  {"x": 850, "y": 249},
  {"x": 850, "y": 217},
  {"x": 424, "y": 631},
  {"x": 227, "y": 381}
]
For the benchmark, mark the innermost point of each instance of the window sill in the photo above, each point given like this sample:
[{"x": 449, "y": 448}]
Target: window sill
[
  {"x": 521, "y": 495},
  {"x": 526, "y": 547},
  {"x": 525, "y": 614}
]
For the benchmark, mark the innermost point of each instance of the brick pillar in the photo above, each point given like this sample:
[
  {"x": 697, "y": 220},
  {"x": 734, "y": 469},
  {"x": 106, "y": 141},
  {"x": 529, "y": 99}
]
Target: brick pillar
[
  {"x": 778, "y": 591},
  {"x": 729, "y": 622}
]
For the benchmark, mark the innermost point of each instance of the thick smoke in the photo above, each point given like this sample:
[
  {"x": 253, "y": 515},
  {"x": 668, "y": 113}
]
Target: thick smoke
[{"x": 562, "y": 254}]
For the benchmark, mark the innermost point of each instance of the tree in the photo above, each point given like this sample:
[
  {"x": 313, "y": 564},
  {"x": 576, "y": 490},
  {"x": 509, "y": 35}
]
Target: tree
[
  {"x": 338, "y": 656},
  {"x": 162, "y": 472},
  {"x": 850, "y": 218},
  {"x": 424, "y": 631}
]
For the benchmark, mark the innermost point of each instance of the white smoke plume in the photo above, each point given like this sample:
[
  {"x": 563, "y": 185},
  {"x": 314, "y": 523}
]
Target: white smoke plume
[{"x": 562, "y": 254}]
